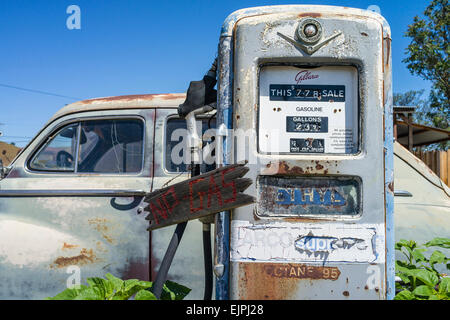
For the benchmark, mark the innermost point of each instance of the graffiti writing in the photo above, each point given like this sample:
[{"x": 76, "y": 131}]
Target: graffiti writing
[{"x": 323, "y": 246}]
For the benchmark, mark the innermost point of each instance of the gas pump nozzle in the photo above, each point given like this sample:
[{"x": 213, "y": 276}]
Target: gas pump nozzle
[{"x": 200, "y": 93}]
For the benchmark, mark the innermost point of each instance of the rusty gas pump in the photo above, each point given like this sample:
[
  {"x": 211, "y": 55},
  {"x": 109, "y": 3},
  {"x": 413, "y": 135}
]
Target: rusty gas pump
[{"x": 305, "y": 96}]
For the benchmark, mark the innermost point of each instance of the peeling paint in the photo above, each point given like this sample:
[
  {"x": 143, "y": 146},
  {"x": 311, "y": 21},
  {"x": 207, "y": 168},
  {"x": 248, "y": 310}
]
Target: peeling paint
[{"x": 308, "y": 242}]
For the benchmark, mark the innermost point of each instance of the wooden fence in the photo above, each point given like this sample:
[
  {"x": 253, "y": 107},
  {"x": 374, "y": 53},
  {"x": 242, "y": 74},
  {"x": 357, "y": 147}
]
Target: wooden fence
[{"x": 438, "y": 161}]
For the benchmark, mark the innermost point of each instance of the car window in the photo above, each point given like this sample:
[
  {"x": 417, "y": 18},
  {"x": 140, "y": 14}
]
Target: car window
[
  {"x": 104, "y": 146},
  {"x": 176, "y": 159},
  {"x": 58, "y": 154},
  {"x": 111, "y": 146}
]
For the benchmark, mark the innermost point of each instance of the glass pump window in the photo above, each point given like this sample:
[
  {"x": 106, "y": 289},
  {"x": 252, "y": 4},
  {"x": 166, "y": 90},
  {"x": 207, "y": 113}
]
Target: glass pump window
[{"x": 308, "y": 110}]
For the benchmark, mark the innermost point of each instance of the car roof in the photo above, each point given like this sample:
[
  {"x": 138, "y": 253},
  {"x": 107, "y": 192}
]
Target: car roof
[{"x": 135, "y": 101}]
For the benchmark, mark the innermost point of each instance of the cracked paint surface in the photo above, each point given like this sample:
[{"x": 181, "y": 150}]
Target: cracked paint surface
[{"x": 308, "y": 242}]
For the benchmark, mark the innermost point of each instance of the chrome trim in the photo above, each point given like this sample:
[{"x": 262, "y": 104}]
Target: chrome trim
[
  {"x": 402, "y": 193},
  {"x": 77, "y": 151}
]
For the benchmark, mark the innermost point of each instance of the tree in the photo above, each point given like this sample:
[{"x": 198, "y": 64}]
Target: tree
[{"x": 427, "y": 57}]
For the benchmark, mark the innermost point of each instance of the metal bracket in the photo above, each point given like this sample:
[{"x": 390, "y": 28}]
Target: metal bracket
[{"x": 309, "y": 49}]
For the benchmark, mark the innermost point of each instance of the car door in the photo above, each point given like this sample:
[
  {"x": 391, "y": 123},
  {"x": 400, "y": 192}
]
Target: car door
[
  {"x": 71, "y": 208},
  {"x": 171, "y": 166}
]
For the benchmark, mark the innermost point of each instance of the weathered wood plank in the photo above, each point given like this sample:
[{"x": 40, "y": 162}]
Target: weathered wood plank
[{"x": 206, "y": 194}]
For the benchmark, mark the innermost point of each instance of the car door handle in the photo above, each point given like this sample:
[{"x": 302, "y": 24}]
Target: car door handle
[{"x": 402, "y": 193}]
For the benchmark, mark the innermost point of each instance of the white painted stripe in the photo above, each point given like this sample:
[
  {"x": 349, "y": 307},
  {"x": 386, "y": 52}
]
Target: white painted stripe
[{"x": 307, "y": 242}]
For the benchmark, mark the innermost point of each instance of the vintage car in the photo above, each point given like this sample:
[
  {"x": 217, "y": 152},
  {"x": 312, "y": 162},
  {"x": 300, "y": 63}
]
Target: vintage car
[
  {"x": 421, "y": 203},
  {"x": 71, "y": 201}
]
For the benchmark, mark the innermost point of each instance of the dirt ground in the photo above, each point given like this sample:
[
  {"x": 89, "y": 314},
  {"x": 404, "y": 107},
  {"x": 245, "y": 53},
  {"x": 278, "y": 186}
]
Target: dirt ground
[{"x": 8, "y": 152}]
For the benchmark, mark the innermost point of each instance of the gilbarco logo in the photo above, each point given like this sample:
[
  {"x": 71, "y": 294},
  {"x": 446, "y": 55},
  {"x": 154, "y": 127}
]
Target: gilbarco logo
[{"x": 305, "y": 75}]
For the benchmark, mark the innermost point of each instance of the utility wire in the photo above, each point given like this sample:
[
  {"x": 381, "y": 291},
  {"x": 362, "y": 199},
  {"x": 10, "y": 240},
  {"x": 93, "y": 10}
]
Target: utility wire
[
  {"x": 16, "y": 137},
  {"x": 38, "y": 91}
]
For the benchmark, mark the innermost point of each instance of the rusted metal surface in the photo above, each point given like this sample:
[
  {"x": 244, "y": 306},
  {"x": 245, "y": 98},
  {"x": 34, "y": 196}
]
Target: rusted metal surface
[
  {"x": 122, "y": 103},
  {"x": 310, "y": 14},
  {"x": 284, "y": 167},
  {"x": 85, "y": 257},
  {"x": 103, "y": 226},
  {"x": 135, "y": 98},
  {"x": 279, "y": 281},
  {"x": 300, "y": 271}
]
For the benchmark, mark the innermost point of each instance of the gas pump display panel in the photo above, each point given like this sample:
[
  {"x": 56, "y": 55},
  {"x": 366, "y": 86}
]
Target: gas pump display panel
[{"x": 308, "y": 111}]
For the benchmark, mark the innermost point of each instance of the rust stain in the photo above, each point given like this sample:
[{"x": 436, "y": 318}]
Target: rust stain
[
  {"x": 283, "y": 168},
  {"x": 168, "y": 96},
  {"x": 302, "y": 220},
  {"x": 69, "y": 246},
  {"x": 391, "y": 186},
  {"x": 346, "y": 293},
  {"x": 301, "y": 271},
  {"x": 255, "y": 284},
  {"x": 278, "y": 281},
  {"x": 101, "y": 226},
  {"x": 310, "y": 15},
  {"x": 85, "y": 257},
  {"x": 137, "y": 270},
  {"x": 388, "y": 52}
]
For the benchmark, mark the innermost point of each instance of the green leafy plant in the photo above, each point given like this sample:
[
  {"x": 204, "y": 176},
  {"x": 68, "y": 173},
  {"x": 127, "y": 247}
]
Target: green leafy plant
[
  {"x": 419, "y": 278},
  {"x": 113, "y": 288}
]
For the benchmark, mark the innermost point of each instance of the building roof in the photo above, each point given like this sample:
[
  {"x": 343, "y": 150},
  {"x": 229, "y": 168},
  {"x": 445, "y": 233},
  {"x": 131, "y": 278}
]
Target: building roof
[{"x": 422, "y": 135}]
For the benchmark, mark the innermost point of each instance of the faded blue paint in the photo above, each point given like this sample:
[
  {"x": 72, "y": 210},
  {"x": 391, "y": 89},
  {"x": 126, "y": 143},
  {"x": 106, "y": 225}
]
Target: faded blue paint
[
  {"x": 224, "y": 117},
  {"x": 389, "y": 192}
]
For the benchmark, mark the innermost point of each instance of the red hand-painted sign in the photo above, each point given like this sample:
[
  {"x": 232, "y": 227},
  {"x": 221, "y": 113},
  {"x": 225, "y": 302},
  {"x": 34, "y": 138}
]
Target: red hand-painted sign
[{"x": 209, "y": 193}]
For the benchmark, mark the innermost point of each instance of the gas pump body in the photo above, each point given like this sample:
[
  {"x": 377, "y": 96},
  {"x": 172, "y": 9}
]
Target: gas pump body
[{"x": 305, "y": 92}]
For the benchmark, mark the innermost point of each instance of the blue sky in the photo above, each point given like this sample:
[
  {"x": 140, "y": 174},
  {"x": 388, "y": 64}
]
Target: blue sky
[{"x": 130, "y": 47}]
